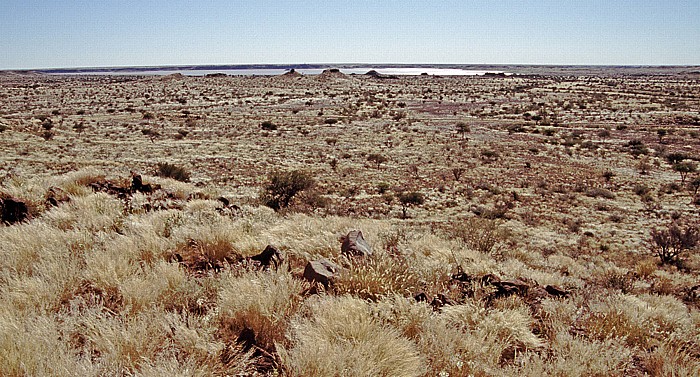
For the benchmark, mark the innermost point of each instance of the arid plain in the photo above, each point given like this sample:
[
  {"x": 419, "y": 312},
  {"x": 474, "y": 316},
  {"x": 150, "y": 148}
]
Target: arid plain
[{"x": 544, "y": 223}]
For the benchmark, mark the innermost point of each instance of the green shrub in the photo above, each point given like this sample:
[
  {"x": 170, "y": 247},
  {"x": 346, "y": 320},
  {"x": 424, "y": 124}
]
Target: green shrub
[
  {"x": 283, "y": 186},
  {"x": 668, "y": 244},
  {"x": 268, "y": 126},
  {"x": 173, "y": 171}
]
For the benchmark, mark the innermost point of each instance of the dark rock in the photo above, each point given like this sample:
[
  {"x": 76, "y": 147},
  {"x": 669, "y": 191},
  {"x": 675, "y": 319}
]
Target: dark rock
[
  {"x": 421, "y": 297},
  {"x": 224, "y": 201},
  {"x": 246, "y": 339},
  {"x": 51, "y": 201},
  {"x": 463, "y": 277},
  {"x": 14, "y": 210},
  {"x": 693, "y": 293},
  {"x": 331, "y": 72},
  {"x": 556, "y": 291},
  {"x": 506, "y": 288},
  {"x": 269, "y": 256},
  {"x": 490, "y": 279},
  {"x": 111, "y": 188},
  {"x": 138, "y": 186},
  {"x": 441, "y": 300},
  {"x": 322, "y": 271},
  {"x": 355, "y": 245}
]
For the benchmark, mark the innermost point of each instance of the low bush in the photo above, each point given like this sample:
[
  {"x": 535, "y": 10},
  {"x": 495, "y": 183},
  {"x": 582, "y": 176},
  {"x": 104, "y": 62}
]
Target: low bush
[
  {"x": 282, "y": 187},
  {"x": 167, "y": 170},
  {"x": 669, "y": 243}
]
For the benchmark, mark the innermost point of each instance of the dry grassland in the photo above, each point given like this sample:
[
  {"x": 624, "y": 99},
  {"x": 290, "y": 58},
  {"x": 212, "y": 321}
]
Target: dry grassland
[{"x": 531, "y": 252}]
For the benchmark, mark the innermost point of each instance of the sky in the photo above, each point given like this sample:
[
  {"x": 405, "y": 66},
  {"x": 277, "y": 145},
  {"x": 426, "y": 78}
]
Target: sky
[{"x": 109, "y": 33}]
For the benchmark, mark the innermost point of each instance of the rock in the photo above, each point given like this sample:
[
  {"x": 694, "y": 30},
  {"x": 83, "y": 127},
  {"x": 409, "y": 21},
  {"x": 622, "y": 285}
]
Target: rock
[
  {"x": 463, "y": 277},
  {"x": 354, "y": 244},
  {"x": 246, "y": 338},
  {"x": 556, "y": 291},
  {"x": 51, "y": 202},
  {"x": 421, "y": 297},
  {"x": 269, "y": 256},
  {"x": 506, "y": 288},
  {"x": 138, "y": 186},
  {"x": 440, "y": 300},
  {"x": 322, "y": 271},
  {"x": 14, "y": 210},
  {"x": 224, "y": 201},
  {"x": 490, "y": 279}
]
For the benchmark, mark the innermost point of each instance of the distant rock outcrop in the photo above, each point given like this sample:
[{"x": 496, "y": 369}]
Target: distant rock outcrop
[
  {"x": 377, "y": 75},
  {"x": 173, "y": 77},
  {"x": 331, "y": 73},
  {"x": 292, "y": 73}
]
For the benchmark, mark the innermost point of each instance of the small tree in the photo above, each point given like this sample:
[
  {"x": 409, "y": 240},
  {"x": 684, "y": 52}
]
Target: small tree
[
  {"x": 284, "y": 186},
  {"x": 661, "y": 132},
  {"x": 694, "y": 185},
  {"x": 457, "y": 173},
  {"x": 676, "y": 157},
  {"x": 409, "y": 199},
  {"x": 668, "y": 244},
  {"x": 268, "y": 126},
  {"x": 151, "y": 133},
  {"x": 377, "y": 159},
  {"x": 79, "y": 127},
  {"x": 684, "y": 168},
  {"x": 463, "y": 128},
  {"x": 644, "y": 165}
]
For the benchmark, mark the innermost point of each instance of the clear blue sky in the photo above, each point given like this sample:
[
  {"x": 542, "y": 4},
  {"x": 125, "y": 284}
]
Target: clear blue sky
[{"x": 55, "y": 33}]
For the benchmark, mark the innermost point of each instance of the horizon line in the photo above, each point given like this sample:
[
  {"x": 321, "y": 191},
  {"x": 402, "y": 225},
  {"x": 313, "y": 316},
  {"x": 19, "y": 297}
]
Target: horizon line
[{"x": 338, "y": 64}]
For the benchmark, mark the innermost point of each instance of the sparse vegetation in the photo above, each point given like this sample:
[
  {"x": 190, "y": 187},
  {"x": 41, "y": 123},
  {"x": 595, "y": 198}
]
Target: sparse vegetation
[
  {"x": 168, "y": 170},
  {"x": 282, "y": 187},
  {"x": 568, "y": 247},
  {"x": 669, "y": 243}
]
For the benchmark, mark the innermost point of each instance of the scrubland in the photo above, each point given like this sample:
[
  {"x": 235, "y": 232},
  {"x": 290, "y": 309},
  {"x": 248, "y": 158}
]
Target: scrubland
[{"x": 516, "y": 225}]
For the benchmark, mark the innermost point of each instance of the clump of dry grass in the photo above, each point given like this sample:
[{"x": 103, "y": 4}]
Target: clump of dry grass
[
  {"x": 337, "y": 336},
  {"x": 577, "y": 357},
  {"x": 263, "y": 302},
  {"x": 378, "y": 276},
  {"x": 640, "y": 321},
  {"x": 32, "y": 345}
]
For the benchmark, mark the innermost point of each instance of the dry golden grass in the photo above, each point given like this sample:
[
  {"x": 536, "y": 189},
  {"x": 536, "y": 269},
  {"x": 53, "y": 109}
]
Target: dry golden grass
[
  {"x": 115, "y": 282},
  {"x": 337, "y": 336}
]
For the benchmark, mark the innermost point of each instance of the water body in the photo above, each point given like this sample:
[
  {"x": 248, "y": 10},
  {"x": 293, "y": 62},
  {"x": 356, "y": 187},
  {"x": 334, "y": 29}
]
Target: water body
[{"x": 396, "y": 71}]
